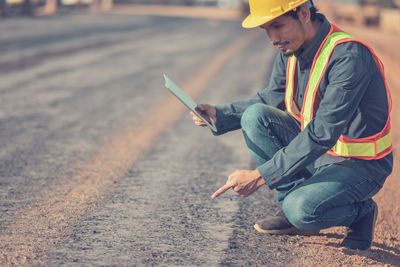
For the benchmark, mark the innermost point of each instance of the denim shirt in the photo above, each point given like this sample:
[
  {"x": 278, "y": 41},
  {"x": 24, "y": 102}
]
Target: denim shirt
[{"x": 353, "y": 103}]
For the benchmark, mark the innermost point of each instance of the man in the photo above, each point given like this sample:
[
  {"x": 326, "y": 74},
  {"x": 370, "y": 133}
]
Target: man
[{"x": 320, "y": 132}]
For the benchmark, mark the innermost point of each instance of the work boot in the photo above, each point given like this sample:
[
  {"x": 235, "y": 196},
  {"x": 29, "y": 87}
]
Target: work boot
[
  {"x": 279, "y": 225},
  {"x": 361, "y": 233}
]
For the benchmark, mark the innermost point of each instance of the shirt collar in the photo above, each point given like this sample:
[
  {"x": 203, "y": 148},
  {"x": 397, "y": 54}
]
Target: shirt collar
[{"x": 307, "y": 54}]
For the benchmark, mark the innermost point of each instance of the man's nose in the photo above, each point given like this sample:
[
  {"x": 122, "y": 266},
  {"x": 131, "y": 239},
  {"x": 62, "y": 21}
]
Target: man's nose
[{"x": 273, "y": 37}]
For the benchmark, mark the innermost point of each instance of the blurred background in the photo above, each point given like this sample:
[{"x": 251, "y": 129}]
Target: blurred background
[
  {"x": 368, "y": 12},
  {"x": 99, "y": 165}
]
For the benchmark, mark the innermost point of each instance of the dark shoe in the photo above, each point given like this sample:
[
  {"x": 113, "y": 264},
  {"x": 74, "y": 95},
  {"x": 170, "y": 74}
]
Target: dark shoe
[
  {"x": 279, "y": 225},
  {"x": 361, "y": 233}
]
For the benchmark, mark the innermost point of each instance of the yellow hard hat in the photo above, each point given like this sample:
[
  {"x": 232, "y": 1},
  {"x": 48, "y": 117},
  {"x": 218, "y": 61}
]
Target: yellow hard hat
[{"x": 262, "y": 11}]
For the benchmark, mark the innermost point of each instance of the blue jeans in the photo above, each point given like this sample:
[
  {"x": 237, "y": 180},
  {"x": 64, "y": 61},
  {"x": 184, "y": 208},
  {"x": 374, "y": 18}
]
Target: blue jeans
[{"x": 315, "y": 198}]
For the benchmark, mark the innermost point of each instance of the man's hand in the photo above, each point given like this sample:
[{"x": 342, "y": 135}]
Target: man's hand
[
  {"x": 243, "y": 182},
  {"x": 207, "y": 111}
]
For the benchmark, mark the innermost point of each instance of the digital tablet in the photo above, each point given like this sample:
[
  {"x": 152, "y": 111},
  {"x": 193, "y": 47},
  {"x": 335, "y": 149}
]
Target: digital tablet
[{"x": 187, "y": 101}]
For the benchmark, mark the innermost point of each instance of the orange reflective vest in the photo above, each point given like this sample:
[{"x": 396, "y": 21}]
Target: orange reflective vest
[{"x": 369, "y": 148}]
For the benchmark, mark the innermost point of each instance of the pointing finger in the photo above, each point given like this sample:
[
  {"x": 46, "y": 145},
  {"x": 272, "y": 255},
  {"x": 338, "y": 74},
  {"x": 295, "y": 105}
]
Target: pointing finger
[{"x": 222, "y": 190}]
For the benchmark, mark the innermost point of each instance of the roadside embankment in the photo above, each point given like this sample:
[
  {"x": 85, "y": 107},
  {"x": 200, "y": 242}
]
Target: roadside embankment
[{"x": 370, "y": 14}]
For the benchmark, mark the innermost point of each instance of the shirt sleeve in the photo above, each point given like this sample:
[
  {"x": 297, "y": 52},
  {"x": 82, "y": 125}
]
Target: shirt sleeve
[
  {"x": 348, "y": 77},
  {"x": 229, "y": 115}
]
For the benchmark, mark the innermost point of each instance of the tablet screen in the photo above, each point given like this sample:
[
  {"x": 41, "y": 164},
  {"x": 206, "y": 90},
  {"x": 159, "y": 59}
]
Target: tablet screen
[{"x": 186, "y": 100}]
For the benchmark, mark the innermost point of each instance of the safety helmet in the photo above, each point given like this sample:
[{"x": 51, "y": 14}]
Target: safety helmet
[{"x": 262, "y": 11}]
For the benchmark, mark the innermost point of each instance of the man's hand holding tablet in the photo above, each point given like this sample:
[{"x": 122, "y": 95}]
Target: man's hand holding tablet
[{"x": 206, "y": 111}]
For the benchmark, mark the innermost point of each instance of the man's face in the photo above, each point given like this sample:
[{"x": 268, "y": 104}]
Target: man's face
[{"x": 286, "y": 33}]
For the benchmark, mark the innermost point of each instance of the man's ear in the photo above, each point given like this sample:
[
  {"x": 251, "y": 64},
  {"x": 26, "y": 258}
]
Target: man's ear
[{"x": 304, "y": 14}]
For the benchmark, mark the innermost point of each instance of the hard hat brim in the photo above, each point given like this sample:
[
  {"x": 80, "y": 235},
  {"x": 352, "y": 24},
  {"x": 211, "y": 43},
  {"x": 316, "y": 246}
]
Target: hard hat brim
[{"x": 255, "y": 21}]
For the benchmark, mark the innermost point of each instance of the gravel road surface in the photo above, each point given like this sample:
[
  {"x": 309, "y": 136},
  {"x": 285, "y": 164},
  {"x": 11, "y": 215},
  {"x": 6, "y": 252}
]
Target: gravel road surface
[
  {"x": 69, "y": 85},
  {"x": 100, "y": 165}
]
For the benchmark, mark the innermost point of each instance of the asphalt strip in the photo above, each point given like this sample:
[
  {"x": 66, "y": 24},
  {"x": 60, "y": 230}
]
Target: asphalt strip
[
  {"x": 49, "y": 219},
  {"x": 178, "y": 11}
]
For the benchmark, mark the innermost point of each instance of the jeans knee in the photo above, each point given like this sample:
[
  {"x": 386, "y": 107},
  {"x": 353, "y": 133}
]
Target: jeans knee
[
  {"x": 252, "y": 116},
  {"x": 299, "y": 211}
]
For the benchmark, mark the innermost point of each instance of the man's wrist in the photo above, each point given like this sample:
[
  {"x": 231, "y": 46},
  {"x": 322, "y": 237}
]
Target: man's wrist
[{"x": 259, "y": 178}]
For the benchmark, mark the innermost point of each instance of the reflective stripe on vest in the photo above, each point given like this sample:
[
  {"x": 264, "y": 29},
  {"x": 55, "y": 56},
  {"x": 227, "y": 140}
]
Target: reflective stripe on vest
[
  {"x": 372, "y": 147},
  {"x": 291, "y": 70}
]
